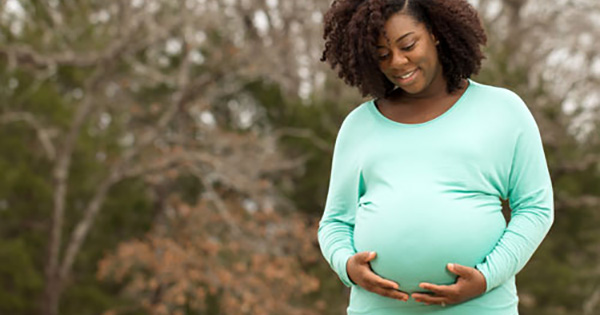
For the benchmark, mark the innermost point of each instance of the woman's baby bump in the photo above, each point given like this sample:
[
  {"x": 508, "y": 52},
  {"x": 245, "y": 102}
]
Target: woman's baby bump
[{"x": 416, "y": 239}]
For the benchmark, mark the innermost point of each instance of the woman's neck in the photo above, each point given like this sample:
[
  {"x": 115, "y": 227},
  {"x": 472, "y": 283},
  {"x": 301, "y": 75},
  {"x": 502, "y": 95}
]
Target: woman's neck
[
  {"x": 405, "y": 108},
  {"x": 435, "y": 91}
]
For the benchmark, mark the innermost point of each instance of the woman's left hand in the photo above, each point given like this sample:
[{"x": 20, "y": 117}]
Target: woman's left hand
[{"x": 470, "y": 283}]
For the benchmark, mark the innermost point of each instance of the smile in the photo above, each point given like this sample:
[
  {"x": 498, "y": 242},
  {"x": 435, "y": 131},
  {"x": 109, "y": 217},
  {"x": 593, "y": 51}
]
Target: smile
[{"x": 407, "y": 77}]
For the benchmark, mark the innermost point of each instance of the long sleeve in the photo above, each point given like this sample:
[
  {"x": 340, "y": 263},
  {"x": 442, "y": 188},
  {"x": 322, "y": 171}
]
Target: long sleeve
[
  {"x": 531, "y": 200},
  {"x": 336, "y": 228}
]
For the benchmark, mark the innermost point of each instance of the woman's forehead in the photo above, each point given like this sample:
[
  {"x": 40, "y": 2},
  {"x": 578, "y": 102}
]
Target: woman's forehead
[{"x": 401, "y": 25}]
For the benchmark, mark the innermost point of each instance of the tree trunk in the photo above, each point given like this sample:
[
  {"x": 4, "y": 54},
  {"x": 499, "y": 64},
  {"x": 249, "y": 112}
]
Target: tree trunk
[
  {"x": 53, "y": 281},
  {"x": 60, "y": 174},
  {"x": 52, "y": 292}
]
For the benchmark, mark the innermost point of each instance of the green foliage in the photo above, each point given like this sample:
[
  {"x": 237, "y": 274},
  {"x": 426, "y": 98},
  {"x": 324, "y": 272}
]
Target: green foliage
[
  {"x": 322, "y": 117},
  {"x": 26, "y": 200},
  {"x": 21, "y": 281}
]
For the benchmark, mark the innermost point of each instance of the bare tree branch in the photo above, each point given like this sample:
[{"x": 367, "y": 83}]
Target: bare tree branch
[
  {"x": 580, "y": 165},
  {"x": 43, "y": 134},
  {"x": 60, "y": 175},
  {"x": 25, "y": 55},
  {"x": 214, "y": 197},
  {"x": 577, "y": 202},
  {"x": 304, "y": 133},
  {"x": 83, "y": 226},
  {"x": 590, "y": 304}
]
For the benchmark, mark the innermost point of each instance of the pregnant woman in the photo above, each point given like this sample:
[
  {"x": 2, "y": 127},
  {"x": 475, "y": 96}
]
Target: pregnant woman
[{"x": 413, "y": 220}]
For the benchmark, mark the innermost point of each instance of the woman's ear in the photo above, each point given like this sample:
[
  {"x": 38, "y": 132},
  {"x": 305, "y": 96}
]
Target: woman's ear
[{"x": 434, "y": 39}]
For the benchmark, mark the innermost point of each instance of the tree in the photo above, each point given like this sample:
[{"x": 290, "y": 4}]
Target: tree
[
  {"x": 194, "y": 263},
  {"x": 144, "y": 73}
]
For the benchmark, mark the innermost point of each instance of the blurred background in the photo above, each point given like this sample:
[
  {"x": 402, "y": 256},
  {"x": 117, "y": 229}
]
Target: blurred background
[{"x": 173, "y": 157}]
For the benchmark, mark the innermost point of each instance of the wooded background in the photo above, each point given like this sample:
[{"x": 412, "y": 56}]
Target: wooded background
[{"x": 173, "y": 157}]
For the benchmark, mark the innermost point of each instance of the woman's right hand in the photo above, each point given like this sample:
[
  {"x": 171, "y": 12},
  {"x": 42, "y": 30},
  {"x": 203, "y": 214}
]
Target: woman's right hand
[{"x": 359, "y": 270}]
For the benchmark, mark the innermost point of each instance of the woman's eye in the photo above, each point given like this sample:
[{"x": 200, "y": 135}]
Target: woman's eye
[
  {"x": 409, "y": 47},
  {"x": 382, "y": 57}
]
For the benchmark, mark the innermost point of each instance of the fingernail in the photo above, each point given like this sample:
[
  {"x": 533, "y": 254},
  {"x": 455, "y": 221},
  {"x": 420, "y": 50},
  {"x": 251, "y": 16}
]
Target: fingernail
[{"x": 451, "y": 266}]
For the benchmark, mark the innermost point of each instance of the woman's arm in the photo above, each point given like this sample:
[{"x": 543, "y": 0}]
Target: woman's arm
[
  {"x": 531, "y": 200},
  {"x": 336, "y": 228}
]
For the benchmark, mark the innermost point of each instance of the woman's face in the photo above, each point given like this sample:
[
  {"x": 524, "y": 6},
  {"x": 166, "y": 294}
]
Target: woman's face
[{"x": 408, "y": 56}]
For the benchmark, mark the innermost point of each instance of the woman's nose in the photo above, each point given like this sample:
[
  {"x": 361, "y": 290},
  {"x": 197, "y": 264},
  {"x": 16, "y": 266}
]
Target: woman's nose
[{"x": 399, "y": 59}]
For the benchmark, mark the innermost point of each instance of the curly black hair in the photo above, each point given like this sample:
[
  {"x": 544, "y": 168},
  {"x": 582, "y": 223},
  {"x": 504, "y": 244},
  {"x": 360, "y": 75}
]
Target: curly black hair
[{"x": 352, "y": 28}]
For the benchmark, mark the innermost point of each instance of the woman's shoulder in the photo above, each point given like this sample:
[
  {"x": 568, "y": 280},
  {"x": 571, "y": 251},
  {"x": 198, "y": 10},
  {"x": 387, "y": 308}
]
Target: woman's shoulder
[
  {"x": 496, "y": 93},
  {"x": 499, "y": 97},
  {"x": 502, "y": 101},
  {"x": 357, "y": 121},
  {"x": 359, "y": 114}
]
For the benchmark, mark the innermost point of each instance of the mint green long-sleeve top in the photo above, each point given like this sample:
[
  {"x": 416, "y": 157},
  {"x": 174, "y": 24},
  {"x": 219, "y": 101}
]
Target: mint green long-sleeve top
[{"x": 425, "y": 195}]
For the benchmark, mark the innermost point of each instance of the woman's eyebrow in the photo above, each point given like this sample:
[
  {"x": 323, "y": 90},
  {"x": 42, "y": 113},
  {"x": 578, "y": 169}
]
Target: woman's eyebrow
[{"x": 397, "y": 39}]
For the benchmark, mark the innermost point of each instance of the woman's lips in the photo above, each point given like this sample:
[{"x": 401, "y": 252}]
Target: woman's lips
[{"x": 407, "y": 77}]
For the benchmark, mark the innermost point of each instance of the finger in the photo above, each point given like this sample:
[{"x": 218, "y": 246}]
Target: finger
[
  {"x": 394, "y": 294},
  {"x": 429, "y": 299},
  {"x": 460, "y": 270},
  {"x": 438, "y": 289},
  {"x": 370, "y": 256},
  {"x": 377, "y": 281},
  {"x": 361, "y": 257}
]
